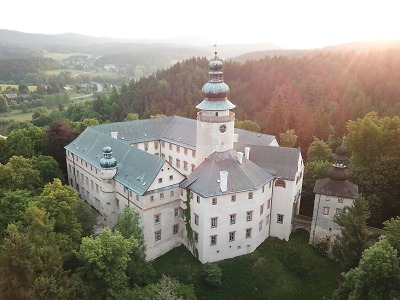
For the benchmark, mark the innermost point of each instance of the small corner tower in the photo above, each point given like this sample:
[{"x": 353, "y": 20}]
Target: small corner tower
[
  {"x": 108, "y": 166},
  {"x": 215, "y": 121},
  {"x": 332, "y": 195}
]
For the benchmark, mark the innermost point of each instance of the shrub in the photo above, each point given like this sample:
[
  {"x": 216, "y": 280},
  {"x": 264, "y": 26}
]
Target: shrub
[
  {"x": 212, "y": 274},
  {"x": 321, "y": 248}
]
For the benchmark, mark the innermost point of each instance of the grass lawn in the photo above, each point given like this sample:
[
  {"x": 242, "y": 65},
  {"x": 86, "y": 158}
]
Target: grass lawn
[
  {"x": 276, "y": 270},
  {"x": 3, "y": 86}
]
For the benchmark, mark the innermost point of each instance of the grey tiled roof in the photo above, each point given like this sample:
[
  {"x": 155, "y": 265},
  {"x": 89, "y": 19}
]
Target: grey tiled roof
[
  {"x": 175, "y": 129},
  {"x": 136, "y": 169},
  {"x": 246, "y": 176},
  {"x": 280, "y": 161},
  {"x": 330, "y": 187}
]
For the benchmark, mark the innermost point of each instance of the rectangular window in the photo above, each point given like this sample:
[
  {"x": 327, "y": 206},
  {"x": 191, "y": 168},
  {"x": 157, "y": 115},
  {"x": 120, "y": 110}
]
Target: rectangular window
[
  {"x": 261, "y": 209},
  {"x": 178, "y": 163},
  {"x": 181, "y": 192},
  {"x": 196, "y": 236},
  {"x": 196, "y": 219},
  {"x": 191, "y": 195},
  {"x": 162, "y": 144},
  {"x": 161, "y": 196},
  {"x": 232, "y": 219},
  {"x": 157, "y": 235},
  {"x": 269, "y": 203},
  {"x": 198, "y": 199},
  {"x": 170, "y": 146},
  {"x": 338, "y": 211},
  {"x": 267, "y": 220},
  {"x": 193, "y": 153},
  {"x": 160, "y": 180},
  {"x": 232, "y": 236},
  {"x": 157, "y": 219},
  {"x": 249, "y": 215},
  {"x": 260, "y": 225},
  {"x": 137, "y": 198},
  {"x": 326, "y": 210},
  {"x": 171, "y": 177},
  {"x": 233, "y": 198},
  {"x": 213, "y": 240},
  {"x": 155, "y": 145},
  {"x": 176, "y": 212},
  {"x": 146, "y": 146},
  {"x": 176, "y": 228},
  {"x": 279, "y": 219},
  {"x": 214, "y": 222},
  {"x": 130, "y": 193},
  {"x": 193, "y": 167},
  {"x": 185, "y": 165},
  {"x": 214, "y": 201},
  {"x": 263, "y": 189},
  {"x": 170, "y": 159},
  {"x": 185, "y": 151},
  {"x": 171, "y": 193},
  {"x": 87, "y": 180},
  {"x": 92, "y": 184},
  {"x": 97, "y": 188},
  {"x": 163, "y": 155},
  {"x": 248, "y": 233},
  {"x": 250, "y": 195},
  {"x": 151, "y": 198},
  {"x": 178, "y": 149},
  {"x": 87, "y": 194}
]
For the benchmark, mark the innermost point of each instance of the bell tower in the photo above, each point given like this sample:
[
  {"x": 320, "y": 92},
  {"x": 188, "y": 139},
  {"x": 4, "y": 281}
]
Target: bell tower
[{"x": 215, "y": 121}]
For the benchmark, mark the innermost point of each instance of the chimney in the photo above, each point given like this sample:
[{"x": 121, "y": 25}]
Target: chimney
[
  {"x": 223, "y": 180},
  {"x": 235, "y": 137},
  {"x": 114, "y": 134},
  {"x": 247, "y": 152},
  {"x": 240, "y": 157}
]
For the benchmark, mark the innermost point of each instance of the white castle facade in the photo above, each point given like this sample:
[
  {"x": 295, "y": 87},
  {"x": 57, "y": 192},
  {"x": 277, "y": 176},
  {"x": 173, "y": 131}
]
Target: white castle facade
[{"x": 218, "y": 190}]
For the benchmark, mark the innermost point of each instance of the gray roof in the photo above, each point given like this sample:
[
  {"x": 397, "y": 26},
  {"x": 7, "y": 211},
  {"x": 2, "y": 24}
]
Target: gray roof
[
  {"x": 331, "y": 187},
  {"x": 246, "y": 176},
  {"x": 181, "y": 131},
  {"x": 282, "y": 162},
  {"x": 136, "y": 169}
]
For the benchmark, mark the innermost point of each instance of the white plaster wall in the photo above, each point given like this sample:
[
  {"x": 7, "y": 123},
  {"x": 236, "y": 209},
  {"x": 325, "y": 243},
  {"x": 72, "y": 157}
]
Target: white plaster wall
[
  {"x": 323, "y": 228},
  {"x": 222, "y": 210},
  {"x": 282, "y": 203},
  {"x": 164, "y": 174},
  {"x": 210, "y": 139}
]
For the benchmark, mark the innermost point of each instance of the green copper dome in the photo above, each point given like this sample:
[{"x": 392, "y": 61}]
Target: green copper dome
[
  {"x": 215, "y": 91},
  {"x": 108, "y": 162}
]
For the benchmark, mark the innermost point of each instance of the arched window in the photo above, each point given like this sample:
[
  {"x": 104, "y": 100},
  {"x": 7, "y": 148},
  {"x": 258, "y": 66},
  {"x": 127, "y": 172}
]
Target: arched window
[{"x": 281, "y": 183}]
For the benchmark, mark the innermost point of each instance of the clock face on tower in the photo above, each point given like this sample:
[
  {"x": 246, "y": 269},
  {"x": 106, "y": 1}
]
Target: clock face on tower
[{"x": 222, "y": 128}]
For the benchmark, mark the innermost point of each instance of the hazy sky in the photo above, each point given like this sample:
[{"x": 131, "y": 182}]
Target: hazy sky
[{"x": 287, "y": 23}]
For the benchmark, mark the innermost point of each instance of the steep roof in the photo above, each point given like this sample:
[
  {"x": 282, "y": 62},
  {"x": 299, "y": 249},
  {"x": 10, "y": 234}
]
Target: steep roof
[
  {"x": 179, "y": 130},
  {"x": 282, "y": 162},
  {"x": 331, "y": 187},
  {"x": 245, "y": 176},
  {"x": 136, "y": 169}
]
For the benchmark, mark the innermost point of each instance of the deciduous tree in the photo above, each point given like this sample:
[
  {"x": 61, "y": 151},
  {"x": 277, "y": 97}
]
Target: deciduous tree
[{"x": 350, "y": 244}]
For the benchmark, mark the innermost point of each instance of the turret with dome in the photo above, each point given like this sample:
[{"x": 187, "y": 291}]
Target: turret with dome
[{"x": 215, "y": 121}]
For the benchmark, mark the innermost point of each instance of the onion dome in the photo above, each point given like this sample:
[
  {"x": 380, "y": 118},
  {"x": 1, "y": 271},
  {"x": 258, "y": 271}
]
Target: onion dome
[
  {"x": 215, "y": 91},
  {"x": 108, "y": 162},
  {"x": 339, "y": 172}
]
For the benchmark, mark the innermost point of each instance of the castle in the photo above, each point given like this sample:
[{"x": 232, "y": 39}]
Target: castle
[{"x": 218, "y": 190}]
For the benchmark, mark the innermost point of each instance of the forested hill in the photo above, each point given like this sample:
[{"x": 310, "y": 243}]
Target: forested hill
[{"x": 320, "y": 91}]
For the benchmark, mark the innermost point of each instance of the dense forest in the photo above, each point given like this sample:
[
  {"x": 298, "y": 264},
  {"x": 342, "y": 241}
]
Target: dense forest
[{"x": 315, "y": 101}]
